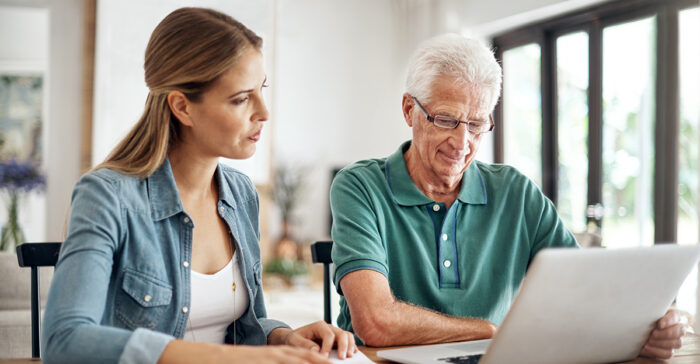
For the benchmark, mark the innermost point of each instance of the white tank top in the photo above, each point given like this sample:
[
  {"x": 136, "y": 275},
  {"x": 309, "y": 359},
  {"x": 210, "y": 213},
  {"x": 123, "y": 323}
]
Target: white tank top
[{"x": 212, "y": 307}]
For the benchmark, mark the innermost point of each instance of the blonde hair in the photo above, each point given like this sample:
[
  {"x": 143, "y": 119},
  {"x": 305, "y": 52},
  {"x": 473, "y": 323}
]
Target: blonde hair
[{"x": 187, "y": 52}]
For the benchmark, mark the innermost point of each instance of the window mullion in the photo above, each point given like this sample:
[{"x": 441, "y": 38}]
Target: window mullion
[
  {"x": 667, "y": 128},
  {"x": 595, "y": 122}
]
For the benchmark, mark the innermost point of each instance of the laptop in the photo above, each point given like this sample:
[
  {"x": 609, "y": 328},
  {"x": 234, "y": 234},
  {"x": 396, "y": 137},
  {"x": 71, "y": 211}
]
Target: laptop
[{"x": 576, "y": 306}]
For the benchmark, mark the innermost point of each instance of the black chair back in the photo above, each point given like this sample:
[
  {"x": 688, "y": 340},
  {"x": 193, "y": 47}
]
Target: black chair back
[
  {"x": 35, "y": 255},
  {"x": 321, "y": 253}
]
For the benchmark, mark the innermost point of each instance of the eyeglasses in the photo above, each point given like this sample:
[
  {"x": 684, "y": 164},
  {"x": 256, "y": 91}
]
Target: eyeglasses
[{"x": 448, "y": 122}]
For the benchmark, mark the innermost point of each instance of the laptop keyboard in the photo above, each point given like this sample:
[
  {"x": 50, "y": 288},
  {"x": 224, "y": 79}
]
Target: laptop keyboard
[{"x": 464, "y": 359}]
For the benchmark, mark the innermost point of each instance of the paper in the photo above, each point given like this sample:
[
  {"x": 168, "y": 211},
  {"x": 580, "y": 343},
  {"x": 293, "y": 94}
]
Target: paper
[{"x": 357, "y": 358}]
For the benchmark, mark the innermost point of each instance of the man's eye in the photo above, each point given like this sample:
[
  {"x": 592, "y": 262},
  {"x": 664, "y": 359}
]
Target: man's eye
[{"x": 239, "y": 101}]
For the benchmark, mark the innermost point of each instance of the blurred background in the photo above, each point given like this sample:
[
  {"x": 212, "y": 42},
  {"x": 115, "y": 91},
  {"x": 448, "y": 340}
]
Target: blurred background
[{"x": 601, "y": 108}]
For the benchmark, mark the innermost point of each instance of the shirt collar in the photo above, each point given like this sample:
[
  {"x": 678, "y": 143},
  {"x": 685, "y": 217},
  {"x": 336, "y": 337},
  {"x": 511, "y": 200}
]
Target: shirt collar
[
  {"x": 162, "y": 192},
  {"x": 164, "y": 197},
  {"x": 405, "y": 191},
  {"x": 225, "y": 193}
]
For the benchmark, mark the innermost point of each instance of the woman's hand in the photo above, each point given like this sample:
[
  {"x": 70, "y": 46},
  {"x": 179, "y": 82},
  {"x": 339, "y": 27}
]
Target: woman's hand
[
  {"x": 315, "y": 334},
  {"x": 186, "y": 352},
  {"x": 275, "y": 355}
]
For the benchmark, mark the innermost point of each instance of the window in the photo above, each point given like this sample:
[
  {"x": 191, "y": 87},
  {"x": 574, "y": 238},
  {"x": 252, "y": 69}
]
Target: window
[
  {"x": 596, "y": 126},
  {"x": 572, "y": 121},
  {"x": 619, "y": 120},
  {"x": 628, "y": 128},
  {"x": 689, "y": 145},
  {"x": 523, "y": 136},
  {"x": 689, "y": 135}
]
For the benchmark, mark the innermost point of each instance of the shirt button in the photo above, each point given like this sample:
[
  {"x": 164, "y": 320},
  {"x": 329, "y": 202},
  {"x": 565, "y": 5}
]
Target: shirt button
[
  {"x": 221, "y": 209},
  {"x": 185, "y": 264},
  {"x": 187, "y": 219},
  {"x": 447, "y": 263},
  {"x": 444, "y": 236},
  {"x": 436, "y": 207},
  {"x": 147, "y": 298},
  {"x": 185, "y": 309}
]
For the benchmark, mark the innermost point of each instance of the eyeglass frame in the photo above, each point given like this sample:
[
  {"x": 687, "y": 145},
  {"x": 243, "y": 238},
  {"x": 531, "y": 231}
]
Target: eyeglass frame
[{"x": 431, "y": 119}]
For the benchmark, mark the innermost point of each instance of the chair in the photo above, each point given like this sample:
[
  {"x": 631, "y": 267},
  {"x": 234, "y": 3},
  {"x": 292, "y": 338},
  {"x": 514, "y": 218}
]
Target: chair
[
  {"x": 35, "y": 255},
  {"x": 321, "y": 253}
]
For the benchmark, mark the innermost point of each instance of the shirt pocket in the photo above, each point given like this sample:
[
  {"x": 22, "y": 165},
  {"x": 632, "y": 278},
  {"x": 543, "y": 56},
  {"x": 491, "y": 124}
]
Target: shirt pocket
[{"x": 142, "y": 300}]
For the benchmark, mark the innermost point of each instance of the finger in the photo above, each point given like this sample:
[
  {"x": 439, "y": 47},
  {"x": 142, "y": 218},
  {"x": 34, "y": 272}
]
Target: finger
[
  {"x": 300, "y": 355},
  {"x": 299, "y": 341},
  {"x": 665, "y": 344},
  {"x": 342, "y": 343},
  {"x": 671, "y": 332},
  {"x": 315, "y": 358},
  {"x": 671, "y": 318},
  {"x": 353, "y": 345},
  {"x": 324, "y": 332},
  {"x": 654, "y": 352}
]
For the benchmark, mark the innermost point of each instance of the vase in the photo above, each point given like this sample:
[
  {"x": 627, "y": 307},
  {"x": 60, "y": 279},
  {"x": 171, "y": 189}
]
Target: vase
[{"x": 11, "y": 234}]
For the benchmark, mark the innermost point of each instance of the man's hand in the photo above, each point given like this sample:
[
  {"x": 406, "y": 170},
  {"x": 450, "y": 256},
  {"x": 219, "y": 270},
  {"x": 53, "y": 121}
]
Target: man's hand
[{"x": 666, "y": 336}]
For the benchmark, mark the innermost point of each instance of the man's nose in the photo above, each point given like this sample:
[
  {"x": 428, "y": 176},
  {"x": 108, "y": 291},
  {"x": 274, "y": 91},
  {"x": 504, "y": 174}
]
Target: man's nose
[{"x": 461, "y": 137}]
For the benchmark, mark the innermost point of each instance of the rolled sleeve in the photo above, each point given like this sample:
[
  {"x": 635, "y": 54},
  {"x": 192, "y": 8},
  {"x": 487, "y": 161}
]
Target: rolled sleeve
[
  {"x": 269, "y": 324},
  {"x": 144, "y": 346}
]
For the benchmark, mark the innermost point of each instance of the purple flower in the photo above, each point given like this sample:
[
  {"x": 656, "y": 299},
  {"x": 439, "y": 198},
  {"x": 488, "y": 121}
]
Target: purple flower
[{"x": 18, "y": 177}]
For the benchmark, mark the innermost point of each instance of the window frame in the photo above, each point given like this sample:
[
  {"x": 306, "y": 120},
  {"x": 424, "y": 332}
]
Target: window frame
[{"x": 667, "y": 98}]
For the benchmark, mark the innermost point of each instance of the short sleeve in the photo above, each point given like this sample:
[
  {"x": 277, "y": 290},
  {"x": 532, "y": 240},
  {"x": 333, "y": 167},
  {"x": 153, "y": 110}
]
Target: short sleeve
[
  {"x": 357, "y": 243},
  {"x": 548, "y": 228}
]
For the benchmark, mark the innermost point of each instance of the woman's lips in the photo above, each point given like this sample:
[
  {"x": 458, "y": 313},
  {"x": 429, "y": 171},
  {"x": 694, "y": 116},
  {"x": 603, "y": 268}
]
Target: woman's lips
[{"x": 255, "y": 137}]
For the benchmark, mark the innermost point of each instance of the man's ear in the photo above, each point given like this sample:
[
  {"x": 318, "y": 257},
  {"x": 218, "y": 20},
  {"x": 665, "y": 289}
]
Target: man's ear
[
  {"x": 180, "y": 107},
  {"x": 407, "y": 106}
]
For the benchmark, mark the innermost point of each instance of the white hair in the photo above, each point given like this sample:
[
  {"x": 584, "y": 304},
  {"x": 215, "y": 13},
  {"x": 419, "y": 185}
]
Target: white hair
[{"x": 467, "y": 60}]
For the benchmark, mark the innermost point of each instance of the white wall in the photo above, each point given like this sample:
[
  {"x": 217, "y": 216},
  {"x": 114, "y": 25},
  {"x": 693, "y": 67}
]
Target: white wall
[
  {"x": 120, "y": 88},
  {"x": 338, "y": 88},
  {"x": 27, "y": 56},
  {"x": 63, "y": 93},
  {"x": 337, "y": 74}
]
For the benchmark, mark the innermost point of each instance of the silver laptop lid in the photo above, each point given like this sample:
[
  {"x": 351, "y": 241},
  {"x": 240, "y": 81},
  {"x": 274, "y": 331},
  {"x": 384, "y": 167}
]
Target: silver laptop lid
[{"x": 590, "y": 305}]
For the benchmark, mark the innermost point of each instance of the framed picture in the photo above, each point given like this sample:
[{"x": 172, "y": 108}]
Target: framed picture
[{"x": 21, "y": 115}]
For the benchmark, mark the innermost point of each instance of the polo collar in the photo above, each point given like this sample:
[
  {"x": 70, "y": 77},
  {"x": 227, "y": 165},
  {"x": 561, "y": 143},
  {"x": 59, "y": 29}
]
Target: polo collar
[{"x": 405, "y": 191}]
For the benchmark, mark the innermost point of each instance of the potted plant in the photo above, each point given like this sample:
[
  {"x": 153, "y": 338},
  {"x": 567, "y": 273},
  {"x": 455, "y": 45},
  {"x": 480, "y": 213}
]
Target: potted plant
[{"x": 286, "y": 192}]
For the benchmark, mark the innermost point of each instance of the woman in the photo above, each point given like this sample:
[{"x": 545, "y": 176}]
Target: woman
[{"x": 163, "y": 240}]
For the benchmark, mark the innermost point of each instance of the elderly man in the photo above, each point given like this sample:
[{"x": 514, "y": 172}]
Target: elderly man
[{"x": 431, "y": 245}]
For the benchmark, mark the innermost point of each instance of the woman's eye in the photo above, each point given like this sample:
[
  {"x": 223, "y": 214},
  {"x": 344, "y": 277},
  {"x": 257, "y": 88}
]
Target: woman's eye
[{"x": 239, "y": 101}]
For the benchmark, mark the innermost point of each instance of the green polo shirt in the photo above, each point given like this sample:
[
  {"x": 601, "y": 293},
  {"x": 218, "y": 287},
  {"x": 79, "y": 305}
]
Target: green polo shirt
[{"x": 468, "y": 260}]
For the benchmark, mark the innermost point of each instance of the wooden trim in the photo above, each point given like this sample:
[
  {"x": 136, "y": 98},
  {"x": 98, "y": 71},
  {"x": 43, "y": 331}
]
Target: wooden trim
[{"x": 89, "y": 19}]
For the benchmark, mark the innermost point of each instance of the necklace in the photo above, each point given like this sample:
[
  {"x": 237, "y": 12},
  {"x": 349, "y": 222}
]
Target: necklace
[{"x": 233, "y": 288}]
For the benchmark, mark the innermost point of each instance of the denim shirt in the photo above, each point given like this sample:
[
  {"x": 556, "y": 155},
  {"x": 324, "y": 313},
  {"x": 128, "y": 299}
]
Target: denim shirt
[{"x": 121, "y": 288}]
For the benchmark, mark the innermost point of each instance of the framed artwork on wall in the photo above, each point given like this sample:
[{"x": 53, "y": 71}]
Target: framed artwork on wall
[{"x": 21, "y": 108}]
